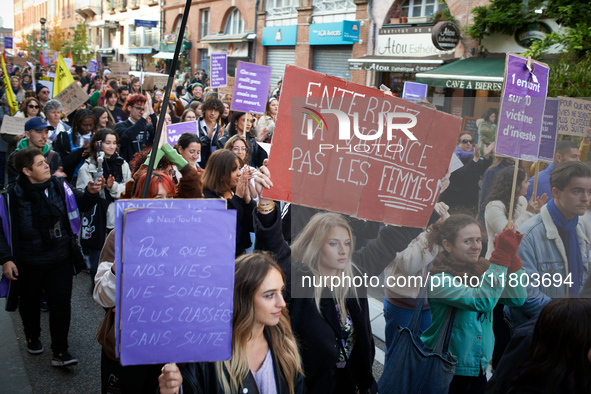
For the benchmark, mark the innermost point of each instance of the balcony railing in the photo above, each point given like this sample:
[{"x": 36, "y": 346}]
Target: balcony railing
[{"x": 151, "y": 38}]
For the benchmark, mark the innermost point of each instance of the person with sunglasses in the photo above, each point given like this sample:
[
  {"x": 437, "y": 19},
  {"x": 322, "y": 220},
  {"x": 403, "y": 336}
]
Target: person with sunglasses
[
  {"x": 135, "y": 133},
  {"x": 462, "y": 194}
]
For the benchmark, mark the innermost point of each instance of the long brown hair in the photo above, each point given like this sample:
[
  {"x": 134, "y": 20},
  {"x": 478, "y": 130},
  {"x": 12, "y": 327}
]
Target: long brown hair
[
  {"x": 230, "y": 145},
  {"x": 449, "y": 229},
  {"x": 218, "y": 170},
  {"x": 250, "y": 272}
]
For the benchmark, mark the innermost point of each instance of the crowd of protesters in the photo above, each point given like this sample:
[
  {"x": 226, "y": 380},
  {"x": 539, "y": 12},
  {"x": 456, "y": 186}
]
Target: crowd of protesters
[{"x": 62, "y": 175}]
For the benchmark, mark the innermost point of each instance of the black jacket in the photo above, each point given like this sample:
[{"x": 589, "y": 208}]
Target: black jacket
[
  {"x": 206, "y": 142},
  {"x": 133, "y": 137},
  {"x": 27, "y": 246},
  {"x": 244, "y": 225},
  {"x": 53, "y": 159},
  {"x": 70, "y": 160},
  {"x": 316, "y": 333},
  {"x": 203, "y": 378},
  {"x": 463, "y": 190}
]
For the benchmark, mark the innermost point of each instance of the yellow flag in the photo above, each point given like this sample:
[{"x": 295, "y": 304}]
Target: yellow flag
[
  {"x": 63, "y": 76},
  {"x": 8, "y": 92}
]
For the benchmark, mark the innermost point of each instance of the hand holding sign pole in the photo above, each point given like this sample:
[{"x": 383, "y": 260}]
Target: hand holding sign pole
[{"x": 521, "y": 114}]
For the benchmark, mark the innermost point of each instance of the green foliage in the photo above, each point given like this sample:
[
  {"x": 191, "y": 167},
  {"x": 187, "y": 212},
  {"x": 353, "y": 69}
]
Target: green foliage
[
  {"x": 79, "y": 45},
  {"x": 503, "y": 16},
  {"x": 570, "y": 78}
]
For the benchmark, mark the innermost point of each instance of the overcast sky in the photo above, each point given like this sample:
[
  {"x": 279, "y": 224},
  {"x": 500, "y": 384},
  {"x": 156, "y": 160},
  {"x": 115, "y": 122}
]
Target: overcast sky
[{"x": 7, "y": 7}]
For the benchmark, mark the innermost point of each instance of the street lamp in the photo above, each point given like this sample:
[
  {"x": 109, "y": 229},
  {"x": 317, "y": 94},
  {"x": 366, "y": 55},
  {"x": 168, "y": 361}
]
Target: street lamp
[{"x": 43, "y": 21}]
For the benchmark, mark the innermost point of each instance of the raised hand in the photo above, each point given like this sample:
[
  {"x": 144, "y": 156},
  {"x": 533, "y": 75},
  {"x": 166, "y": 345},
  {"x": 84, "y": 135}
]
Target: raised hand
[{"x": 170, "y": 380}]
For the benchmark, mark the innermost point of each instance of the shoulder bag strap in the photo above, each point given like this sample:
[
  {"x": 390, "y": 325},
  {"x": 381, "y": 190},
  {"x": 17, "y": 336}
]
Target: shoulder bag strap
[{"x": 442, "y": 345}]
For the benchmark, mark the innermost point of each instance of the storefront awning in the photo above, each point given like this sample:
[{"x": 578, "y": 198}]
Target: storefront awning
[
  {"x": 136, "y": 51},
  {"x": 475, "y": 73},
  {"x": 387, "y": 64},
  {"x": 164, "y": 55},
  {"x": 221, "y": 38}
]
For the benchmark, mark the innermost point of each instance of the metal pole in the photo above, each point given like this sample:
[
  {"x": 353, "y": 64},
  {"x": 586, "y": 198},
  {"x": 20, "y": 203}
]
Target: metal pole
[
  {"x": 164, "y": 105},
  {"x": 254, "y": 43}
]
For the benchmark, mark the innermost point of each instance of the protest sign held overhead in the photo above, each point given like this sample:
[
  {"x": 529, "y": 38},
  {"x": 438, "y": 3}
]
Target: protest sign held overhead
[
  {"x": 574, "y": 116},
  {"x": 414, "y": 92},
  {"x": 121, "y": 206},
  {"x": 251, "y": 89},
  {"x": 522, "y": 108},
  {"x": 549, "y": 129},
  {"x": 348, "y": 148},
  {"x": 71, "y": 98},
  {"x": 119, "y": 69},
  {"x": 174, "y": 131},
  {"x": 177, "y": 285},
  {"x": 63, "y": 77},
  {"x": 219, "y": 68}
]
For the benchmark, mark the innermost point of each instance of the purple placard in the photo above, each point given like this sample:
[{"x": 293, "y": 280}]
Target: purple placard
[
  {"x": 177, "y": 286},
  {"x": 9, "y": 68},
  {"x": 174, "y": 131},
  {"x": 522, "y": 109},
  {"x": 414, "y": 92},
  {"x": 549, "y": 128},
  {"x": 7, "y": 42},
  {"x": 252, "y": 85},
  {"x": 122, "y": 205},
  {"x": 92, "y": 66},
  {"x": 218, "y": 70}
]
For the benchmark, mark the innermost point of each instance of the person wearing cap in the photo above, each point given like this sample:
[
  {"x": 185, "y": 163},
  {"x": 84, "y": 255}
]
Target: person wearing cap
[
  {"x": 36, "y": 135},
  {"x": 42, "y": 213},
  {"x": 42, "y": 94},
  {"x": 194, "y": 93}
]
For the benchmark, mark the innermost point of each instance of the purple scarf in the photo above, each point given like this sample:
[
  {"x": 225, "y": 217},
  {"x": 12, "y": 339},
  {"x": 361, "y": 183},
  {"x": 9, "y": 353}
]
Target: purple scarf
[{"x": 463, "y": 155}]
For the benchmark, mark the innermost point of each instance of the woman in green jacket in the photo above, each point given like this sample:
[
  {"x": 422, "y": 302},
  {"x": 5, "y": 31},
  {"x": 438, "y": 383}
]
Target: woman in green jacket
[
  {"x": 461, "y": 279},
  {"x": 487, "y": 129}
]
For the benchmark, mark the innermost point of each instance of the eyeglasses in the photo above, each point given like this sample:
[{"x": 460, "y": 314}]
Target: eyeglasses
[
  {"x": 467, "y": 141},
  {"x": 238, "y": 149},
  {"x": 32, "y": 106},
  {"x": 141, "y": 109}
]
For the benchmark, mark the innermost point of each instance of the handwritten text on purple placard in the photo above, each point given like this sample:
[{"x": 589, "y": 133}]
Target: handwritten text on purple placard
[
  {"x": 178, "y": 286},
  {"x": 218, "y": 72},
  {"x": 252, "y": 85},
  {"x": 522, "y": 109},
  {"x": 174, "y": 131}
]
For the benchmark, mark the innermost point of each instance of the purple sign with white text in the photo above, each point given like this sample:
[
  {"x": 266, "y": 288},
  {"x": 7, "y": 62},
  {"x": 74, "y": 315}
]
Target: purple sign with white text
[
  {"x": 7, "y": 42},
  {"x": 252, "y": 85},
  {"x": 177, "y": 286},
  {"x": 174, "y": 131},
  {"x": 522, "y": 109},
  {"x": 218, "y": 70},
  {"x": 549, "y": 128},
  {"x": 121, "y": 206},
  {"x": 414, "y": 92},
  {"x": 92, "y": 66}
]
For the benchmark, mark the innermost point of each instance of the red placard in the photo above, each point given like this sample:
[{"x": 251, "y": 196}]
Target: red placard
[{"x": 392, "y": 180}]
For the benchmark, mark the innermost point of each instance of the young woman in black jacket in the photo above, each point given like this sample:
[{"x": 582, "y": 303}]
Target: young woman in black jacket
[
  {"x": 265, "y": 356},
  {"x": 223, "y": 178},
  {"x": 72, "y": 145},
  {"x": 329, "y": 311}
]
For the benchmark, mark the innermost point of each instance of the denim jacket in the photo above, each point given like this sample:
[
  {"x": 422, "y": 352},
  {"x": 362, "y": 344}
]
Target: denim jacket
[{"x": 542, "y": 252}]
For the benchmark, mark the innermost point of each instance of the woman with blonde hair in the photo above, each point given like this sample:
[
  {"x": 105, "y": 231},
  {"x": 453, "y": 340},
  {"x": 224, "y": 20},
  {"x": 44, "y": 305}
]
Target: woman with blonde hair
[
  {"x": 265, "y": 356},
  {"x": 329, "y": 309}
]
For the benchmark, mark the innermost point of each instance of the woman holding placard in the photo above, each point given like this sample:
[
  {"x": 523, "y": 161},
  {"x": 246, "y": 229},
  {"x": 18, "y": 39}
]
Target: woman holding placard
[
  {"x": 223, "y": 178},
  {"x": 329, "y": 313},
  {"x": 463, "y": 291},
  {"x": 265, "y": 356},
  {"x": 72, "y": 145}
]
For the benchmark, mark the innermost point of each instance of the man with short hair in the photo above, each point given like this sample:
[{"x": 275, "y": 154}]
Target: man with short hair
[
  {"x": 554, "y": 249},
  {"x": 565, "y": 151},
  {"x": 122, "y": 93},
  {"x": 134, "y": 86},
  {"x": 36, "y": 136},
  {"x": 42, "y": 213}
]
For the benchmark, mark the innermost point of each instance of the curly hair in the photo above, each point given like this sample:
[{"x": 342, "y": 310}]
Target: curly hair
[
  {"x": 25, "y": 104},
  {"x": 213, "y": 103},
  {"x": 502, "y": 186},
  {"x": 132, "y": 100}
]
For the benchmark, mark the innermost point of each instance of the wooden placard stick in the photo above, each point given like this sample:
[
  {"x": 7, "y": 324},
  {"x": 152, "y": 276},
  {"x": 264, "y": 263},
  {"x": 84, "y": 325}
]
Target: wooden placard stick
[{"x": 512, "y": 205}]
